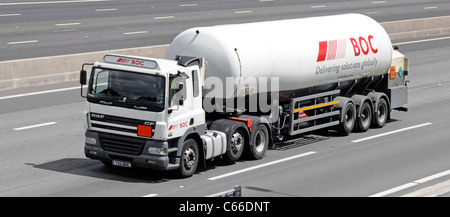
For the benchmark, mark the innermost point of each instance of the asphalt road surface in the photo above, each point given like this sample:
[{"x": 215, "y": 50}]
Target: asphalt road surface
[
  {"x": 35, "y": 28},
  {"x": 42, "y": 139},
  {"x": 42, "y": 134}
]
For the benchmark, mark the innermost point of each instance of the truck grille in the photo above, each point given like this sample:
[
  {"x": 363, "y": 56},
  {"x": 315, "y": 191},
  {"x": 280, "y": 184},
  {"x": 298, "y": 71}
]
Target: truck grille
[
  {"x": 120, "y": 124},
  {"x": 121, "y": 144}
]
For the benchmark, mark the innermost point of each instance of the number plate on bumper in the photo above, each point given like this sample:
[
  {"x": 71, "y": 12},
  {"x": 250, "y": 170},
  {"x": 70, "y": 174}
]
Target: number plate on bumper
[{"x": 121, "y": 163}]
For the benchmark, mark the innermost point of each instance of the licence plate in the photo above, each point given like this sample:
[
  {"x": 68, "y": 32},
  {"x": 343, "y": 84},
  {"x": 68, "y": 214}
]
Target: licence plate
[{"x": 121, "y": 163}]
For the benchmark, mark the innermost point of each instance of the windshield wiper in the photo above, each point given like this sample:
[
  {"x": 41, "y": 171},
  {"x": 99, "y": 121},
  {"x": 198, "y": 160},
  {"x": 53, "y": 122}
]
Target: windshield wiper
[
  {"x": 140, "y": 107},
  {"x": 105, "y": 102}
]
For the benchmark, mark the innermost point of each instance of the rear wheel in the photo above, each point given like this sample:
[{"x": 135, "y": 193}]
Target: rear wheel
[
  {"x": 189, "y": 158},
  {"x": 260, "y": 142},
  {"x": 365, "y": 119},
  {"x": 236, "y": 144},
  {"x": 381, "y": 115},
  {"x": 349, "y": 118}
]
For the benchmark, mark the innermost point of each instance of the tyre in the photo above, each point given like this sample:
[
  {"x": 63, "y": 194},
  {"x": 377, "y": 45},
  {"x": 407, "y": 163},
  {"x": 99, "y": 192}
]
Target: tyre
[
  {"x": 260, "y": 140},
  {"x": 189, "y": 158},
  {"x": 236, "y": 143},
  {"x": 349, "y": 118},
  {"x": 380, "y": 117},
  {"x": 364, "y": 120}
]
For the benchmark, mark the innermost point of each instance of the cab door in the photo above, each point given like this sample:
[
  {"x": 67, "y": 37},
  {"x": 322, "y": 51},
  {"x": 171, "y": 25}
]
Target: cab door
[{"x": 180, "y": 104}]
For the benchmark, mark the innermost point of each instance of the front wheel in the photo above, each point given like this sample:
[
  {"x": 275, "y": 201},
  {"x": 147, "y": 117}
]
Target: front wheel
[{"x": 189, "y": 158}]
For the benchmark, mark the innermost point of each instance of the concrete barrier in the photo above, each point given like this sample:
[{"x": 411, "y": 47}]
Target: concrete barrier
[
  {"x": 415, "y": 28},
  {"x": 57, "y": 69}
]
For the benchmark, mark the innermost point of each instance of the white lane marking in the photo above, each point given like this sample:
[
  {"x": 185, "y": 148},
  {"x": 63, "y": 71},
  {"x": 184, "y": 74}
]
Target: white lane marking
[
  {"x": 432, "y": 191},
  {"x": 260, "y": 166},
  {"x": 35, "y": 126},
  {"x": 188, "y": 5},
  {"x": 150, "y": 195},
  {"x": 37, "y": 93},
  {"x": 67, "y": 24},
  {"x": 419, "y": 41},
  {"x": 411, "y": 184},
  {"x": 378, "y": 2},
  {"x": 9, "y": 15},
  {"x": 319, "y": 6},
  {"x": 52, "y": 2},
  {"x": 242, "y": 12},
  {"x": 134, "y": 33},
  {"x": 23, "y": 42},
  {"x": 166, "y": 17},
  {"x": 428, "y": 8},
  {"x": 392, "y": 132},
  {"x": 106, "y": 9}
]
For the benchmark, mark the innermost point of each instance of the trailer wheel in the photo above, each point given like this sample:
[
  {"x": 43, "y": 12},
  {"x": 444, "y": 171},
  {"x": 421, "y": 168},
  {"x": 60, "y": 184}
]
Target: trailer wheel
[
  {"x": 349, "y": 118},
  {"x": 260, "y": 142},
  {"x": 236, "y": 144},
  {"x": 189, "y": 158},
  {"x": 381, "y": 115},
  {"x": 365, "y": 119}
]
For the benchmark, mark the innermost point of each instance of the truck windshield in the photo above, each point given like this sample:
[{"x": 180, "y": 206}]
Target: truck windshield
[{"x": 127, "y": 89}]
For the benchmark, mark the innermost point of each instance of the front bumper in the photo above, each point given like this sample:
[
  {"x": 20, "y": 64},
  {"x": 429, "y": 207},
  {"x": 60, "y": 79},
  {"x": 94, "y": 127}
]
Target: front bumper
[{"x": 144, "y": 159}]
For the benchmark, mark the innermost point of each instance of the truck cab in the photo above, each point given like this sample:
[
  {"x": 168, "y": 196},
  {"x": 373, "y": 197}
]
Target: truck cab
[{"x": 139, "y": 108}]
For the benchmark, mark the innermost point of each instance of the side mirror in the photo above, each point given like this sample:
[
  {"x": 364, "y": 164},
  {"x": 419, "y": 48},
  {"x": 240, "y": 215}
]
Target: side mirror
[{"x": 83, "y": 77}]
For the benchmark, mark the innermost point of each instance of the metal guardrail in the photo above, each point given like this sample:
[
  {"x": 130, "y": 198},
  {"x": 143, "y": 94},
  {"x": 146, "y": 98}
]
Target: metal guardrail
[{"x": 236, "y": 192}]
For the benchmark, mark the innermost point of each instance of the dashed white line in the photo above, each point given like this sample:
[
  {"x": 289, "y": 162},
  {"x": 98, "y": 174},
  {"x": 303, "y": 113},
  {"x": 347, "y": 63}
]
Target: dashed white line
[
  {"x": 389, "y": 133},
  {"x": 67, "y": 24},
  {"x": 188, "y": 5},
  {"x": 427, "y": 8},
  {"x": 378, "y": 2},
  {"x": 35, "y": 126},
  {"x": 262, "y": 165},
  {"x": 166, "y": 17},
  {"x": 106, "y": 9},
  {"x": 425, "y": 40},
  {"x": 319, "y": 6},
  {"x": 242, "y": 12},
  {"x": 411, "y": 184},
  {"x": 22, "y": 42},
  {"x": 9, "y": 15},
  {"x": 52, "y": 2},
  {"x": 134, "y": 33},
  {"x": 150, "y": 195},
  {"x": 37, "y": 93}
]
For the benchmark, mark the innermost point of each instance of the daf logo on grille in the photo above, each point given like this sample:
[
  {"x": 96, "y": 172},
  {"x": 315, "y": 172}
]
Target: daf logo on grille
[{"x": 97, "y": 115}]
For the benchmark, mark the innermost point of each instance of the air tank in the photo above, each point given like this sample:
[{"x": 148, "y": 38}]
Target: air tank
[{"x": 302, "y": 53}]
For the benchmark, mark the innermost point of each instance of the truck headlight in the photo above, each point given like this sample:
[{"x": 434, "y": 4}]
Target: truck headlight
[
  {"x": 154, "y": 150},
  {"x": 90, "y": 140}
]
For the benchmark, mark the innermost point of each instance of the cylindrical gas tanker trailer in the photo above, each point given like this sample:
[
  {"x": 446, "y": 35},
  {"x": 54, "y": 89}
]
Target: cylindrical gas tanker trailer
[{"x": 231, "y": 89}]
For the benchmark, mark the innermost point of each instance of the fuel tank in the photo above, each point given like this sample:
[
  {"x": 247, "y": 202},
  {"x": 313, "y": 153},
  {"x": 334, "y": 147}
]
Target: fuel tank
[{"x": 300, "y": 53}]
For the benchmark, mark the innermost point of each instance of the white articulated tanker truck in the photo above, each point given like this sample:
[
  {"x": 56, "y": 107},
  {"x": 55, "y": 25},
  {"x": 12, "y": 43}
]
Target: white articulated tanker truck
[{"x": 229, "y": 89}]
